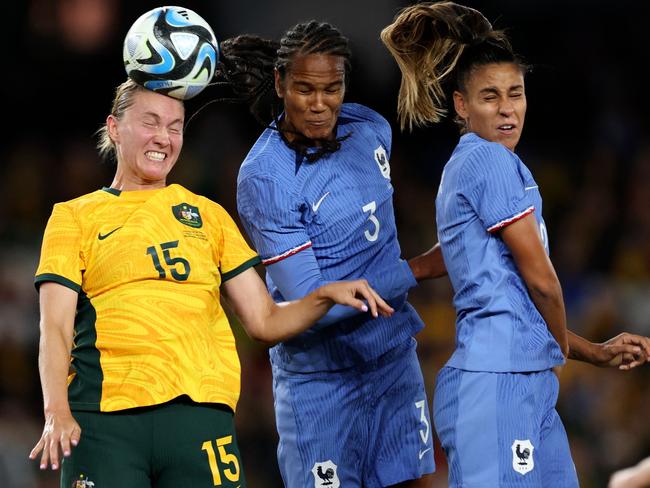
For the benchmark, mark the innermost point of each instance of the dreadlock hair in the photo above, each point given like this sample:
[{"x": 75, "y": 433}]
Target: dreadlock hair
[
  {"x": 437, "y": 46},
  {"x": 247, "y": 66}
]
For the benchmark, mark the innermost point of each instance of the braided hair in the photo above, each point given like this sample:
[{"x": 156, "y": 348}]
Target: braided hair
[
  {"x": 437, "y": 46},
  {"x": 247, "y": 67}
]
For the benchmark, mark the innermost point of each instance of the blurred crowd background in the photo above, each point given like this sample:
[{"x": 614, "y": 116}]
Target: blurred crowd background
[{"x": 587, "y": 141}]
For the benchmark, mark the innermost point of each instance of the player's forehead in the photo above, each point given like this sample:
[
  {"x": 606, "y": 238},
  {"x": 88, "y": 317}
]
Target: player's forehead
[
  {"x": 317, "y": 69},
  {"x": 495, "y": 76},
  {"x": 156, "y": 105}
]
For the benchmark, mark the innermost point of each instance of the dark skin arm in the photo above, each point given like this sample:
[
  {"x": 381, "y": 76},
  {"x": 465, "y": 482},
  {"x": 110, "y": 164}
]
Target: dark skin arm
[{"x": 428, "y": 265}]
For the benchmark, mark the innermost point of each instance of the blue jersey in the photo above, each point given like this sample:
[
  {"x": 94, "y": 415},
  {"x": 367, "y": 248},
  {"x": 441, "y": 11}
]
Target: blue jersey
[
  {"x": 485, "y": 187},
  {"x": 340, "y": 208}
]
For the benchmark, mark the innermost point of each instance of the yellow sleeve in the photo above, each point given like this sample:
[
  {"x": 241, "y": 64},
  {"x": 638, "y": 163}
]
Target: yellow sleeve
[
  {"x": 236, "y": 256},
  {"x": 61, "y": 260}
]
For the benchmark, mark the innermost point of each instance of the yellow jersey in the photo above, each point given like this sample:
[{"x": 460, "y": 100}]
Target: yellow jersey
[{"x": 149, "y": 325}]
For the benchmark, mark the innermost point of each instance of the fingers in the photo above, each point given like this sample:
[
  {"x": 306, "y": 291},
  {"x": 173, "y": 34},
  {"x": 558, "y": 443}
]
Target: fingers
[
  {"x": 641, "y": 341},
  {"x": 37, "y": 449},
  {"x": 54, "y": 446},
  {"x": 361, "y": 287},
  {"x": 625, "y": 350},
  {"x": 53, "y": 454},
  {"x": 378, "y": 305},
  {"x": 384, "y": 309}
]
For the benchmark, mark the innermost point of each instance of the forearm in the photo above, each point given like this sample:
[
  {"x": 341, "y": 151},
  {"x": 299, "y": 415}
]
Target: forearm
[
  {"x": 288, "y": 319},
  {"x": 429, "y": 264},
  {"x": 580, "y": 348},
  {"x": 54, "y": 362},
  {"x": 299, "y": 275}
]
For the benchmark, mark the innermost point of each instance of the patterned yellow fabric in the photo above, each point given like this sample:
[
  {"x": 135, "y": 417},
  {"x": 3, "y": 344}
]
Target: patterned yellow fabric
[{"x": 148, "y": 266}]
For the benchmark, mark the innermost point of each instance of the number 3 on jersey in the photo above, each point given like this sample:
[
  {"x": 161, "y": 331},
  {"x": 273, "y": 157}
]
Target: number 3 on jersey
[{"x": 372, "y": 208}]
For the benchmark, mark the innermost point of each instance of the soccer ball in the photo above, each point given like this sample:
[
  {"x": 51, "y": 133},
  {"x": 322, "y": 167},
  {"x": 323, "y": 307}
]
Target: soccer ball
[{"x": 171, "y": 50}]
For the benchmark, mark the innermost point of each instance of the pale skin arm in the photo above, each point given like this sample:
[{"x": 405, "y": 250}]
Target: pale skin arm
[
  {"x": 634, "y": 477},
  {"x": 624, "y": 351},
  {"x": 428, "y": 265},
  {"x": 266, "y": 321},
  {"x": 57, "y": 306}
]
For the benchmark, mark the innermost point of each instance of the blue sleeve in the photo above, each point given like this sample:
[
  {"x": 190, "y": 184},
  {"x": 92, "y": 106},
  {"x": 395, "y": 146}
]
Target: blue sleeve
[
  {"x": 272, "y": 218},
  {"x": 299, "y": 274},
  {"x": 493, "y": 184}
]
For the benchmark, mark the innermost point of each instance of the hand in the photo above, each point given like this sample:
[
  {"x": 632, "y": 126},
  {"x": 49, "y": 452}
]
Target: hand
[
  {"x": 428, "y": 265},
  {"x": 625, "y": 351},
  {"x": 352, "y": 293},
  {"x": 61, "y": 431},
  {"x": 634, "y": 477}
]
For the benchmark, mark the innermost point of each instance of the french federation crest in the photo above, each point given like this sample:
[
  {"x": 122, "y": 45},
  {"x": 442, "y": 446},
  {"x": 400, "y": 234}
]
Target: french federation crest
[
  {"x": 381, "y": 158},
  {"x": 325, "y": 475},
  {"x": 522, "y": 456},
  {"x": 188, "y": 215}
]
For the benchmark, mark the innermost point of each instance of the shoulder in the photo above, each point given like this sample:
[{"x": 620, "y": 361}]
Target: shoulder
[
  {"x": 85, "y": 203},
  {"x": 482, "y": 156},
  {"x": 357, "y": 113},
  {"x": 267, "y": 156}
]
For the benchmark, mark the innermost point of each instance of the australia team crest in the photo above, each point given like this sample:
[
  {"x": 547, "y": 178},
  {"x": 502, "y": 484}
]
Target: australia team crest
[
  {"x": 187, "y": 214},
  {"x": 83, "y": 482},
  {"x": 522, "y": 456}
]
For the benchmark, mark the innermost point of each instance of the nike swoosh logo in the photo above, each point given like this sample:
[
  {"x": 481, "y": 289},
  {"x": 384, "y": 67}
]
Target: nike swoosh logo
[
  {"x": 101, "y": 236},
  {"x": 422, "y": 453},
  {"x": 531, "y": 187},
  {"x": 316, "y": 206}
]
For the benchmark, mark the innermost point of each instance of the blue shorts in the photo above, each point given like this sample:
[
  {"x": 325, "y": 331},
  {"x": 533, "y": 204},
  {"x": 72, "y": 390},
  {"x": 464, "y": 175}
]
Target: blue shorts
[
  {"x": 502, "y": 430},
  {"x": 367, "y": 426}
]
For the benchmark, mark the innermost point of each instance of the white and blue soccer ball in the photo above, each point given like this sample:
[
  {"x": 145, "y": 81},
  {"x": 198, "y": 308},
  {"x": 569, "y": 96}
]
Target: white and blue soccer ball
[{"x": 171, "y": 50}]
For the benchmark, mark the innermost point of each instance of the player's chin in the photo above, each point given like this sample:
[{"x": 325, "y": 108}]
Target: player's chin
[
  {"x": 155, "y": 170},
  {"x": 319, "y": 132}
]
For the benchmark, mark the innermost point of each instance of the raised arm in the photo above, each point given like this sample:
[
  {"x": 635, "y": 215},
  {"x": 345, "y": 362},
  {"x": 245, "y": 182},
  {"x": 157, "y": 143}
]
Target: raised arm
[
  {"x": 57, "y": 306},
  {"x": 269, "y": 322},
  {"x": 299, "y": 275}
]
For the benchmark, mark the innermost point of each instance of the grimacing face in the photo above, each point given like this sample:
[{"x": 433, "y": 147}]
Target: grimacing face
[
  {"x": 148, "y": 138},
  {"x": 493, "y": 104},
  {"x": 312, "y": 91}
]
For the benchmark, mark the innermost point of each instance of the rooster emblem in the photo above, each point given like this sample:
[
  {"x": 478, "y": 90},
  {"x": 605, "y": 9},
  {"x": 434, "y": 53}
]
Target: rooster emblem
[
  {"x": 325, "y": 475},
  {"x": 522, "y": 456}
]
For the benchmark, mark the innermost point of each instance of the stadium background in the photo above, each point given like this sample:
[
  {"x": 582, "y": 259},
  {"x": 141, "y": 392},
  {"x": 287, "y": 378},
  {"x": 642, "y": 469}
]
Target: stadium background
[{"x": 586, "y": 140}]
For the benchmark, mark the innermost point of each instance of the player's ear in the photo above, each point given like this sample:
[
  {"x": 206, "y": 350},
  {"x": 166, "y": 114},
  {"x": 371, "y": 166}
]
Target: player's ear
[
  {"x": 111, "y": 127},
  {"x": 279, "y": 89},
  {"x": 460, "y": 105}
]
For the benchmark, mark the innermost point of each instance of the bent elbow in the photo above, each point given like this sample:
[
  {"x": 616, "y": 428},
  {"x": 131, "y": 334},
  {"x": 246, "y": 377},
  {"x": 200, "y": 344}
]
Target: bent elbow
[
  {"x": 262, "y": 335},
  {"x": 547, "y": 291}
]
